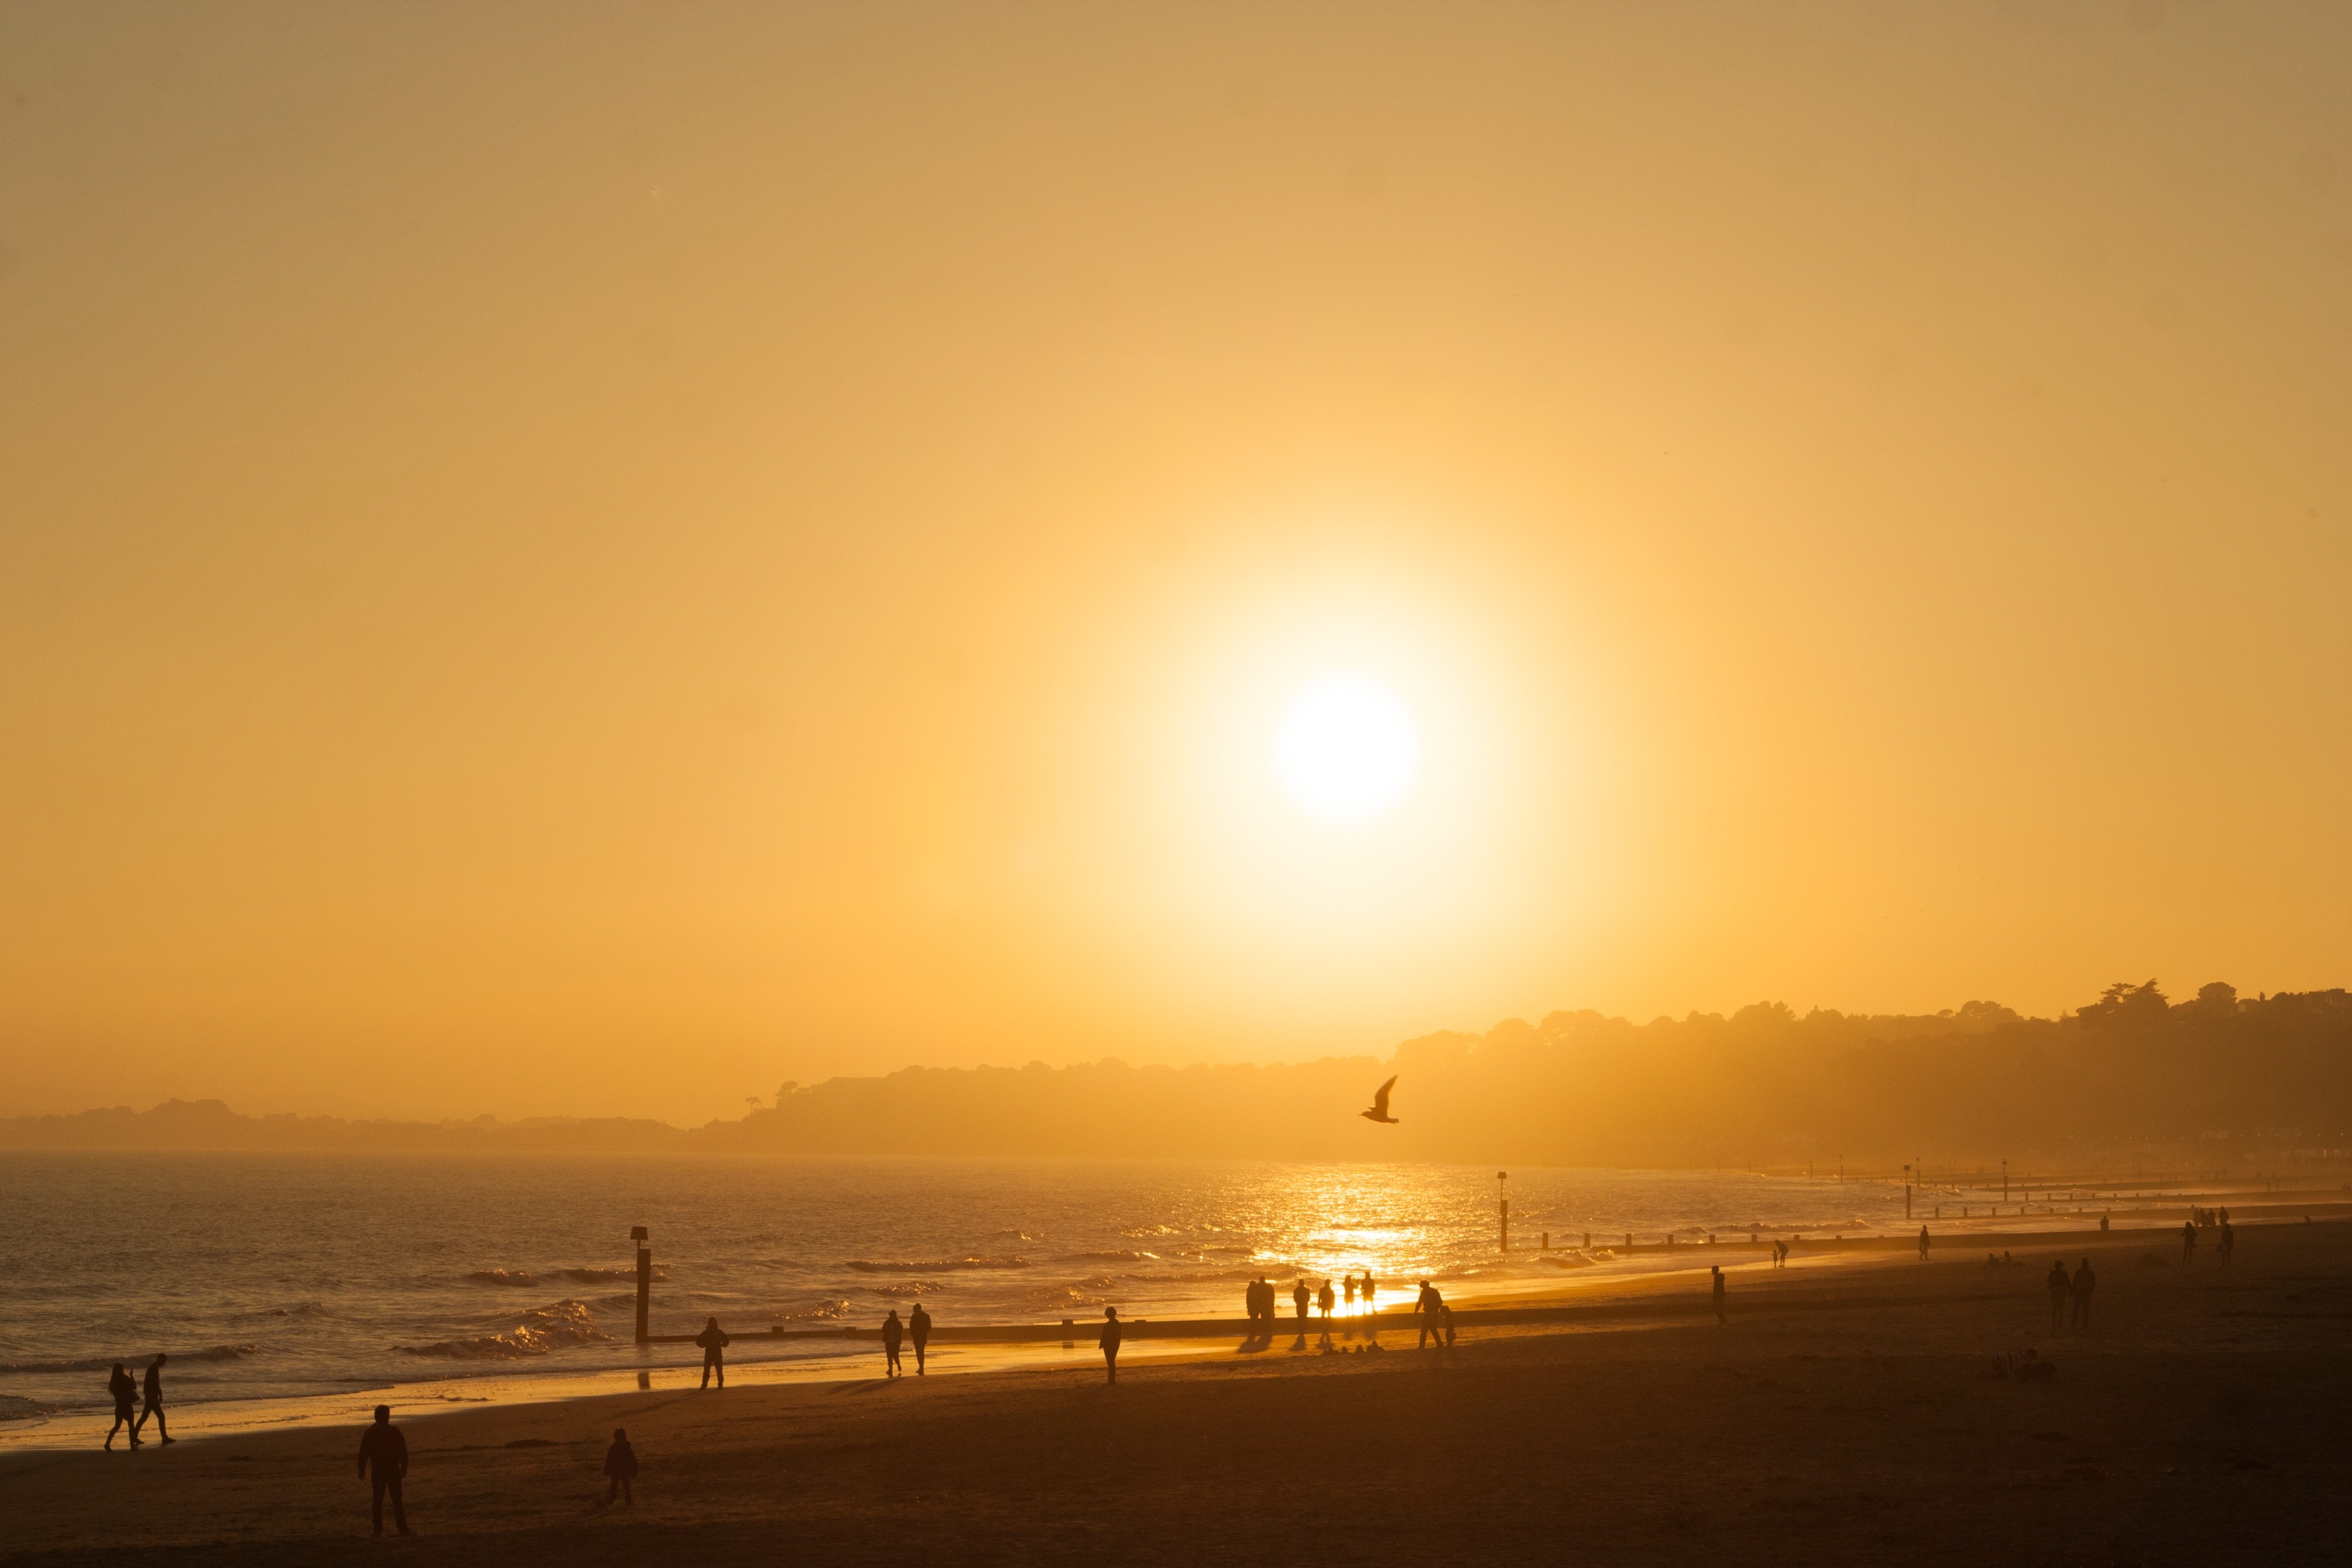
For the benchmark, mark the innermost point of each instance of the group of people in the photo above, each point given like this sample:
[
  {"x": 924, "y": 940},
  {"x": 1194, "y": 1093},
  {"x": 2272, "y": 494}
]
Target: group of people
[
  {"x": 1258, "y": 1299},
  {"x": 149, "y": 1394},
  {"x": 918, "y": 1328}
]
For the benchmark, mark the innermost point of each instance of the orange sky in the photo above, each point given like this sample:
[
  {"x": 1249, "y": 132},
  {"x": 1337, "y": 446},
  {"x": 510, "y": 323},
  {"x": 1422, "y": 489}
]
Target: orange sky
[{"x": 568, "y": 561}]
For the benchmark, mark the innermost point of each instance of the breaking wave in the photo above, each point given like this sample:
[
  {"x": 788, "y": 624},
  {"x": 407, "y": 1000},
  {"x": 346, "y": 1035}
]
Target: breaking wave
[
  {"x": 524, "y": 1279},
  {"x": 906, "y": 1287},
  {"x": 545, "y": 1329},
  {"x": 14, "y": 1408},
  {"x": 1109, "y": 1257},
  {"x": 105, "y": 1362},
  {"x": 935, "y": 1265}
]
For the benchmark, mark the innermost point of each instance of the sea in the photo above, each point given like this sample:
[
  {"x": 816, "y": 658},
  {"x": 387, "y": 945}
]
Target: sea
[{"x": 284, "y": 1278}]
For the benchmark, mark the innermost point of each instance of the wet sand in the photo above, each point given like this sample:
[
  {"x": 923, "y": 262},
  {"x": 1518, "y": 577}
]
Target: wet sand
[{"x": 1840, "y": 1418}]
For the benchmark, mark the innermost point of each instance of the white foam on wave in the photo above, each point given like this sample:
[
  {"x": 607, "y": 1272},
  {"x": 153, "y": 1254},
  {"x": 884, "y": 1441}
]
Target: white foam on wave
[
  {"x": 541, "y": 1332},
  {"x": 934, "y": 1266}
]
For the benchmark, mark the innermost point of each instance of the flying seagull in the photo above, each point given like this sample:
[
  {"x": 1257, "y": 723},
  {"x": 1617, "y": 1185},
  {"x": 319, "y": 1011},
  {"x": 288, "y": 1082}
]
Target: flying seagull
[{"x": 1380, "y": 1111}]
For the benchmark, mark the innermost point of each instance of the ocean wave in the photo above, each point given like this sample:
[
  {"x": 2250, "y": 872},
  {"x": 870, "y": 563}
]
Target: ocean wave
[
  {"x": 299, "y": 1309},
  {"x": 823, "y": 1312},
  {"x": 545, "y": 1329},
  {"x": 14, "y": 1407},
  {"x": 105, "y": 1362},
  {"x": 1137, "y": 1232},
  {"x": 935, "y": 1265},
  {"x": 524, "y": 1279},
  {"x": 906, "y": 1287},
  {"x": 1109, "y": 1257}
]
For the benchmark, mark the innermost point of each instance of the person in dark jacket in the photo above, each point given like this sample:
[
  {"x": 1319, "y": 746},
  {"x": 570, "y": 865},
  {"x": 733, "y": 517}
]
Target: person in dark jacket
[
  {"x": 151, "y": 1400},
  {"x": 124, "y": 1390},
  {"x": 919, "y": 1328},
  {"x": 621, "y": 1469},
  {"x": 383, "y": 1460},
  {"x": 1109, "y": 1342},
  {"x": 2085, "y": 1283},
  {"x": 894, "y": 1333},
  {"x": 714, "y": 1342}
]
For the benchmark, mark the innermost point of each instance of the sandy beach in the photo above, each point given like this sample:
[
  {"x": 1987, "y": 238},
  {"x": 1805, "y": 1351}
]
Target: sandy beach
[{"x": 1841, "y": 1416}]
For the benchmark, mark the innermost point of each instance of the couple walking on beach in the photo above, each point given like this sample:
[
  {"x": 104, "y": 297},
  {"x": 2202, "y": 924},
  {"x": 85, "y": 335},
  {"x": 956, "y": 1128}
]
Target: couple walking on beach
[
  {"x": 2077, "y": 1289},
  {"x": 917, "y": 1327},
  {"x": 150, "y": 1396},
  {"x": 1436, "y": 1318}
]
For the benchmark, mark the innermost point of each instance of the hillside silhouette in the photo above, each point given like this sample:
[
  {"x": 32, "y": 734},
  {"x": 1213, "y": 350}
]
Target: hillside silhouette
[{"x": 2233, "y": 1077}]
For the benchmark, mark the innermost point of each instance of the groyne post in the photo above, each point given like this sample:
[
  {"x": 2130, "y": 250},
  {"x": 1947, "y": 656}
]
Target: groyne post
[{"x": 644, "y": 1283}]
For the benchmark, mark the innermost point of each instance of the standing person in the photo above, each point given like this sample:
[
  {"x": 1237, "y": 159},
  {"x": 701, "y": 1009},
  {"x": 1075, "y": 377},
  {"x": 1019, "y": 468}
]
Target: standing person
[
  {"x": 1716, "y": 1270},
  {"x": 1302, "y": 1295},
  {"x": 2058, "y": 1285},
  {"x": 1923, "y": 1244},
  {"x": 2228, "y": 1244},
  {"x": 893, "y": 1333},
  {"x": 1324, "y": 1301},
  {"x": 2188, "y": 1243},
  {"x": 151, "y": 1400},
  {"x": 1365, "y": 1290},
  {"x": 919, "y": 1328},
  {"x": 383, "y": 1460},
  {"x": 1109, "y": 1342},
  {"x": 119, "y": 1384},
  {"x": 714, "y": 1342},
  {"x": 1350, "y": 1294},
  {"x": 621, "y": 1469},
  {"x": 2084, "y": 1282}
]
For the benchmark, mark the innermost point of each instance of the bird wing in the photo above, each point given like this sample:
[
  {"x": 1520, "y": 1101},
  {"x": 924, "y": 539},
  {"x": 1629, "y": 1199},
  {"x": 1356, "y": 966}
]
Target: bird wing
[{"x": 1380, "y": 1098}]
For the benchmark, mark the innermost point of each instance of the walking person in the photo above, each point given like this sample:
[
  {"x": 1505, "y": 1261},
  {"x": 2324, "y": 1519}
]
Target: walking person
[
  {"x": 1427, "y": 1307},
  {"x": 1109, "y": 1342},
  {"x": 2188, "y": 1243},
  {"x": 119, "y": 1384},
  {"x": 620, "y": 1469},
  {"x": 151, "y": 1400},
  {"x": 894, "y": 1333},
  {"x": 714, "y": 1342},
  {"x": 383, "y": 1460},
  {"x": 2058, "y": 1285},
  {"x": 2223, "y": 1249},
  {"x": 2084, "y": 1282},
  {"x": 919, "y": 1328},
  {"x": 1923, "y": 1244},
  {"x": 1716, "y": 1270}
]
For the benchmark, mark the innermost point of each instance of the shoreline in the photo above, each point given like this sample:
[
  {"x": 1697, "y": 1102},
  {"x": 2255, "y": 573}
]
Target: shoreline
[{"x": 1668, "y": 1285}]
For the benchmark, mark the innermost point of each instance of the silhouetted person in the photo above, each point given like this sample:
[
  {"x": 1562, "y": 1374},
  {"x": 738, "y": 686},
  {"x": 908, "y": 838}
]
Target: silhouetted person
[
  {"x": 1109, "y": 1342},
  {"x": 151, "y": 1400},
  {"x": 1716, "y": 1270},
  {"x": 125, "y": 1418},
  {"x": 1324, "y": 1301},
  {"x": 714, "y": 1342},
  {"x": 893, "y": 1331},
  {"x": 1427, "y": 1306},
  {"x": 2188, "y": 1243},
  {"x": 2103, "y": 1225},
  {"x": 1365, "y": 1290},
  {"x": 2222, "y": 1214},
  {"x": 2228, "y": 1244},
  {"x": 621, "y": 1469},
  {"x": 1923, "y": 1244},
  {"x": 1445, "y": 1316},
  {"x": 1302, "y": 1295},
  {"x": 919, "y": 1328},
  {"x": 2084, "y": 1282},
  {"x": 1350, "y": 1295},
  {"x": 383, "y": 1460},
  {"x": 2058, "y": 1285}
]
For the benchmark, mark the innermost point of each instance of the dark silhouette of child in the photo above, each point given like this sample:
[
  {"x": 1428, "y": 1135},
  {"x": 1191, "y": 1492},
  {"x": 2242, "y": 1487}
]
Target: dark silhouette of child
[
  {"x": 919, "y": 1328},
  {"x": 151, "y": 1401},
  {"x": 893, "y": 1333},
  {"x": 620, "y": 1467},
  {"x": 1109, "y": 1342},
  {"x": 714, "y": 1342},
  {"x": 383, "y": 1460},
  {"x": 124, "y": 1390}
]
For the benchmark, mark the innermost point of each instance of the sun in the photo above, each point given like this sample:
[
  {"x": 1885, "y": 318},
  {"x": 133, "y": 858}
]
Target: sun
[{"x": 1346, "y": 749}]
